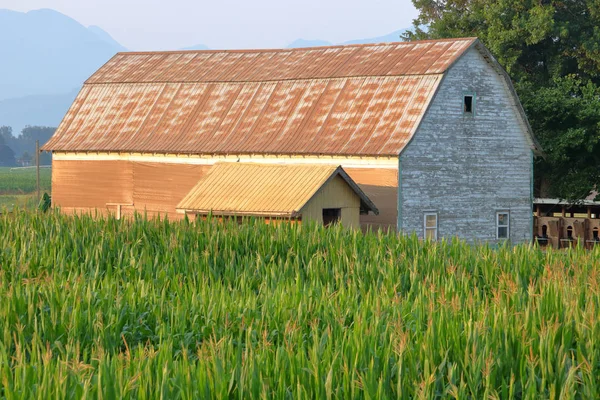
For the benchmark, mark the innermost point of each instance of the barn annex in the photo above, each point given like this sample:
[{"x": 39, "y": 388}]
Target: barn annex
[{"x": 432, "y": 132}]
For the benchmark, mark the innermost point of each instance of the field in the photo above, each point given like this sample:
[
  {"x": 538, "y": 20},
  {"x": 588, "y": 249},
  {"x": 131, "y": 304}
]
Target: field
[
  {"x": 152, "y": 309},
  {"x": 18, "y": 187},
  {"x": 21, "y": 181}
]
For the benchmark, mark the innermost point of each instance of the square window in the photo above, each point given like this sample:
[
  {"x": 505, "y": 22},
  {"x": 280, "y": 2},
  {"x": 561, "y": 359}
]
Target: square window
[{"x": 331, "y": 216}]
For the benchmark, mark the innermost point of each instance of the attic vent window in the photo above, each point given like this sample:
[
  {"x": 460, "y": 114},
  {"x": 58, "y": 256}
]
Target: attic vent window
[{"x": 468, "y": 104}]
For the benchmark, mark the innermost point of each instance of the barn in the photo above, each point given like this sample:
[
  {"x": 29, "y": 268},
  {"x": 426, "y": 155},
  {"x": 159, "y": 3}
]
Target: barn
[{"x": 430, "y": 132}]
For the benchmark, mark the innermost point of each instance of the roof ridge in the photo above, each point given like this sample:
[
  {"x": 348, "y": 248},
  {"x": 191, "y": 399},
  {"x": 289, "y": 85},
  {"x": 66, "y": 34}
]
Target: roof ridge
[
  {"x": 323, "y": 78},
  {"x": 281, "y": 50}
]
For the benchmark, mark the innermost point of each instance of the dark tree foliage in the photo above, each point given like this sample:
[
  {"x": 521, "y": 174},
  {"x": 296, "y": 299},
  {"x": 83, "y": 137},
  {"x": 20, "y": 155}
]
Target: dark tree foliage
[
  {"x": 7, "y": 156},
  {"x": 24, "y": 144},
  {"x": 551, "y": 49}
]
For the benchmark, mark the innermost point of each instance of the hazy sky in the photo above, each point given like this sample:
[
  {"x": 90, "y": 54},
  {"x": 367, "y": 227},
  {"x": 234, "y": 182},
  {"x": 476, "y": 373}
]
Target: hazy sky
[{"x": 171, "y": 24}]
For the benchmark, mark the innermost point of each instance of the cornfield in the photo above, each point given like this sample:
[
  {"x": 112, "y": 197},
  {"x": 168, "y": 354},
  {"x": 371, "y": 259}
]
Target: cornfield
[
  {"x": 20, "y": 181},
  {"x": 101, "y": 308}
]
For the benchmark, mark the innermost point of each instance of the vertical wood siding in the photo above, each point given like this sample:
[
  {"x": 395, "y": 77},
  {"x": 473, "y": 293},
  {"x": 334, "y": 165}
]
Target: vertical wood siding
[
  {"x": 92, "y": 186},
  {"x": 334, "y": 194}
]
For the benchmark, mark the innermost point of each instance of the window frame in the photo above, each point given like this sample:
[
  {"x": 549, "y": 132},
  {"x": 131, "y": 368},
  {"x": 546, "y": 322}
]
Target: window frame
[
  {"x": 507, "y": 226},
  {"x": 426, "y": 228}
]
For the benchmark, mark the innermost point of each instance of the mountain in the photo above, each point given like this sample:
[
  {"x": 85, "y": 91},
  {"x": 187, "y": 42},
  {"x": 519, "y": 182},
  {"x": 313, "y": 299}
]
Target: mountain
[
  {"x": 44, "y": 52},
  {"x": 41, "y": 110},
  {"x": 298, "y": 43},
  {"x": 105, "y": 36},
  {"x": 197, "y": 47},
  {"x": 390, "y": 37}
]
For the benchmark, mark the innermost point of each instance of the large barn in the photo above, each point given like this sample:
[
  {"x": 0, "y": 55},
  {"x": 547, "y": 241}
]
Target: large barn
[{"x": 431, "y": 132}]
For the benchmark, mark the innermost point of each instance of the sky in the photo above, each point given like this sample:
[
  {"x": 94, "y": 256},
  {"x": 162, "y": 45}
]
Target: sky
[{"x": 228, "y": 24}]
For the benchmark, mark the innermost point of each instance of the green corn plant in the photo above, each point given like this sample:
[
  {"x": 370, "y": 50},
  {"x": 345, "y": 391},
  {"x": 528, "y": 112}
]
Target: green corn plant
[{"x": 95, "y": 307}]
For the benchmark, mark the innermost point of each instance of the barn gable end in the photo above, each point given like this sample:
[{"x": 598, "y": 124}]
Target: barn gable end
[{"x": 467, "y": 167}]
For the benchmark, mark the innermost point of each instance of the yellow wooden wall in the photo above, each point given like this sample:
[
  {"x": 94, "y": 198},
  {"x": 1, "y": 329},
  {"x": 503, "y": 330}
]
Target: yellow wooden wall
[
  {"x": 381, "y": 186},
  {"x": 335, "y": 194}
]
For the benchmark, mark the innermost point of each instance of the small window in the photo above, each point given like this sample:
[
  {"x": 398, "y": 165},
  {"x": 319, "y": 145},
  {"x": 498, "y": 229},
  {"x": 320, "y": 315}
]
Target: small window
[
  {"x": 431, "y": 226},
  {"x": 331, "y": 216},
  {"x": 569, "y": 232},
  {"x": 595, "y": 235},
  {"x": 468, "y": 105},
  {"x": 502, "y": 225}
]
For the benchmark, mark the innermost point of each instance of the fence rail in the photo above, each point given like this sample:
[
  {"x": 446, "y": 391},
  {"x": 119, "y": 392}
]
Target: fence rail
[{"x": 32, "y": 167}]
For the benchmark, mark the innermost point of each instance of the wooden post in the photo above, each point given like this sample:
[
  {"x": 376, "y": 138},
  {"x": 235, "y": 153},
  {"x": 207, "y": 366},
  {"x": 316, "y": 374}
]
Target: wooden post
[
  {"x": 37, "y": 167},
  {"x": 564, "y": 212},
  {"x": 589, "y": 210}
]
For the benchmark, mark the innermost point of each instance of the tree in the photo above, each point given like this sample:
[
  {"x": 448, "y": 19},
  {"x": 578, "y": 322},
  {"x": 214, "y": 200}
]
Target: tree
[
  {"x": 7, "y": 156},
  {"x": 6, "y": 133},
  {"x": 551, "y": 49},
  {"x": 24, "y": 144},
  {"x": 32, "y": 133},
  {"x": 26, "y": 159}
]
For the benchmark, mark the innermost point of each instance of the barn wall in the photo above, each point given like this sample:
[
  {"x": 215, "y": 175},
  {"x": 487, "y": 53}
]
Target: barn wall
[
  {"x": 468, "y": 167},
  {"x": 91, "y": 184},
  {"x": 381, "y": 186},
  {"x": 159, "y": 187},
  {"x": 377, "y": 177},
  {"x": 335, "y": 194},
  {"x": 153, "y": 188}
]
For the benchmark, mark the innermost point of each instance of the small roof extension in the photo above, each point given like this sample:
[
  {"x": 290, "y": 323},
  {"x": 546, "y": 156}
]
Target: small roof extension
[{"x": 254, "y": 189}]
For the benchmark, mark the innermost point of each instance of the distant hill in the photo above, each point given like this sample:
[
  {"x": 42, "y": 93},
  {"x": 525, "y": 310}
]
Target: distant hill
[
  {"x": 105, "y": 36},
  {"x": 299, "y": 43},
  {"x": 391, "y": 37},
  {"x": 44, "y": 52},
  {"x": 35, "y": 110},
  {"x": 197, "y": 47}
]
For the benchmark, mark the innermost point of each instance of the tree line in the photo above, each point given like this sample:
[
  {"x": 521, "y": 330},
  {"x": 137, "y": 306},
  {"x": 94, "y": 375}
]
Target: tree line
[
  {"x": 551, "y": 50},
  {"x": 20, "y": 150}
]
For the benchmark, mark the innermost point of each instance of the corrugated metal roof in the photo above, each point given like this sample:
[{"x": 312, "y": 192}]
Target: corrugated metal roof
[
  {"x": 262, "y": 189},
  {"x": 342, "y": 100},
  {"x": 383, "y": 59},
  {"x": 348, "y": 116}
]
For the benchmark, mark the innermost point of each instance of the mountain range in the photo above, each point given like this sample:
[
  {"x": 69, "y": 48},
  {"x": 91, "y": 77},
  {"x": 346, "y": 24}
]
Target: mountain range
[
  {"x": 45, "y": 57},
  {"x": 391, "y": 37}
]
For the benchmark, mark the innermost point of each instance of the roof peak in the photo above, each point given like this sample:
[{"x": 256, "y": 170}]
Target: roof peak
[
  {"x": 300, "y": 49},
  {"x": 430, "y": 57}
]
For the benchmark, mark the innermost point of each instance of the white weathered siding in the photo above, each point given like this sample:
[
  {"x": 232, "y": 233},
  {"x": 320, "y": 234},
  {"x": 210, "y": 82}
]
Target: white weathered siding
[{"x": 467, "y": 167}]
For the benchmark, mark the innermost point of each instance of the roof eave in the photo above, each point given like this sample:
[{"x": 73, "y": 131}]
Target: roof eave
[{"x": 226, "y": 213}]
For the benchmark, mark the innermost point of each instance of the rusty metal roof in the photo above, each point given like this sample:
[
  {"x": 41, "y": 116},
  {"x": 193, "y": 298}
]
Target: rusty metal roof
[
  {"x": 342, "y": 100},
  {"x": 383, "y": 59},
  {"x": 263, "y": 189}
]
